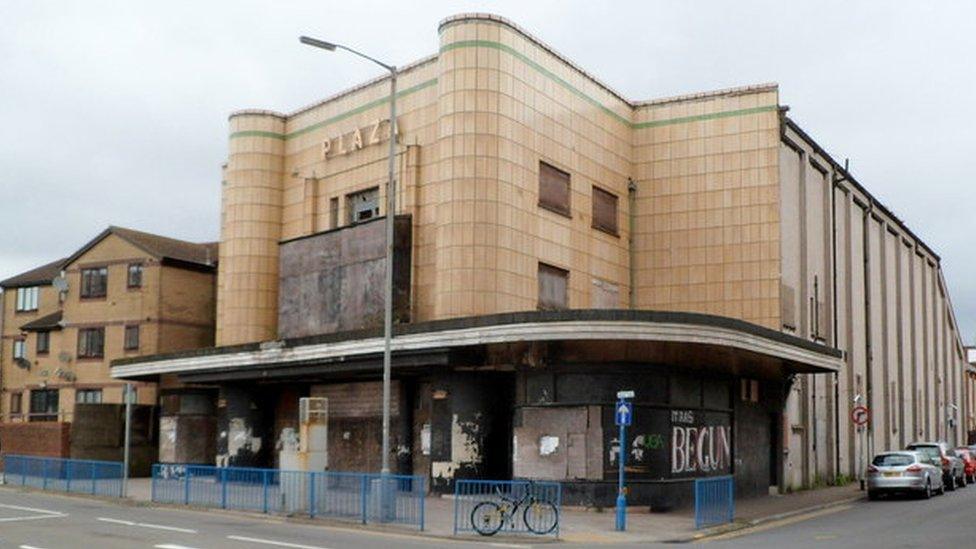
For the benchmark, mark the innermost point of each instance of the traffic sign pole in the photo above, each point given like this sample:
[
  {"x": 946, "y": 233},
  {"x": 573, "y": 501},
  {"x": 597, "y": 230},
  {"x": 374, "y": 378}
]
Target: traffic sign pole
[
  {"x": 623, "y": 414},
  {"x": 621, "y": 494}
]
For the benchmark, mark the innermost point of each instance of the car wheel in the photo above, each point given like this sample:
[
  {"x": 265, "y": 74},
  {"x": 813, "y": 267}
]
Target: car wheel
[
  {"x": 951, "y": 485},
  {"x": 942, "y": 488},
  {"x": 962, "y": 481},
  {"x": 927, "y": 494},
  {"x": 873, "y": 495}
]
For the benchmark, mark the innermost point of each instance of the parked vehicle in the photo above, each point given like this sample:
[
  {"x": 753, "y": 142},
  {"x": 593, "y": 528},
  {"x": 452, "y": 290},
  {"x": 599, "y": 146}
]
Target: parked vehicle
[
  {"x": 953, "y": 469},
  {"x": 908, "y": 472},
  {"x": 968, "y": 457}
]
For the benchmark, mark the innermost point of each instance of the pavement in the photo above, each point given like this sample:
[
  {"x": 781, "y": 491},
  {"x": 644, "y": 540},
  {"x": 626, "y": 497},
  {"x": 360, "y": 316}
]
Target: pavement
[{"x": 145, "y": 524}]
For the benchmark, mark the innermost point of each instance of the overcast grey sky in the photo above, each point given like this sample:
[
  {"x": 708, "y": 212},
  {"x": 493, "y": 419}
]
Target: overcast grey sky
[{"x": 116, "y": 112}]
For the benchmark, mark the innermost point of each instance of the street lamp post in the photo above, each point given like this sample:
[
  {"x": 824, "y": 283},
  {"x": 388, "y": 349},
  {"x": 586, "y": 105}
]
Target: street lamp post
[{"x": 390, "y": 210}]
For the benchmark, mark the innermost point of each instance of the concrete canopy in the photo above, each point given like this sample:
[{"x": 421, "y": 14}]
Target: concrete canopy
[{"x": 695, "y": 340}]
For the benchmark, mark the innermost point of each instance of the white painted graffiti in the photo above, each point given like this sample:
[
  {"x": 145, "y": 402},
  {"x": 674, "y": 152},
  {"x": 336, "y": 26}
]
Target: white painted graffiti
[{"x": 701, "y": 449}]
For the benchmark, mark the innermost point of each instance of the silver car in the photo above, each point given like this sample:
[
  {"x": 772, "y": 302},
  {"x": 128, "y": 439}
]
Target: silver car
[
  {"x": 904, "y": 472},
  {"x": 953, "y": 468}
]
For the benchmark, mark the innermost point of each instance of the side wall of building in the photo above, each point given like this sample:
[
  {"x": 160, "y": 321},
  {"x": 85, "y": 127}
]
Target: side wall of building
[{"x": 854, "y": 277}]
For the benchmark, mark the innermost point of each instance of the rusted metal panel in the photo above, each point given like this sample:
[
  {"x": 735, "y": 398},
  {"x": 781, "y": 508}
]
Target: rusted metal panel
[{"x": 333, "y": 281}]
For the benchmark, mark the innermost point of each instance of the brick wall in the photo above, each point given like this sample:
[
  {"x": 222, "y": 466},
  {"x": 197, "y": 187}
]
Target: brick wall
[{"x": 49, "y": 439}]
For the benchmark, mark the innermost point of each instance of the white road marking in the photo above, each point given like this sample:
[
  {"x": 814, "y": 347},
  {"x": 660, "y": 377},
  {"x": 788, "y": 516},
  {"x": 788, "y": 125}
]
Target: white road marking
[
  {"x": 31, "y": 509},
  {"x": 171, "y": 546},
  {"x": 41, "y": 513},
  {"x": 30, "y": 547},
  {"x": 144, "y": 525},
  {"x": 276, "y": 543}
]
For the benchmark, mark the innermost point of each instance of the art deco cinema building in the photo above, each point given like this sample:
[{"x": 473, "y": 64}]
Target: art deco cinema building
[{"x": 555, "y": 243}]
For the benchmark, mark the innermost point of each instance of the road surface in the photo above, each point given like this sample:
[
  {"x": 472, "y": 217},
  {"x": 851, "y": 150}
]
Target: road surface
[{"x": 34, "y": 520}]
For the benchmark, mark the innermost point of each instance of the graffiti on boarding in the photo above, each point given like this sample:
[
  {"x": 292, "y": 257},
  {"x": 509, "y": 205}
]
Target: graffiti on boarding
[
  {"x": 671, "y": 443},
  {"x": 699, "y": 444}
]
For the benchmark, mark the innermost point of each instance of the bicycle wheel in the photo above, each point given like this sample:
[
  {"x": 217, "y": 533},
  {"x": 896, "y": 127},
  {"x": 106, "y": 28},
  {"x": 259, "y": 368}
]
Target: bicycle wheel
[
  {"x": 487, "y": 518},
  {"x": 541, "y": 517}
]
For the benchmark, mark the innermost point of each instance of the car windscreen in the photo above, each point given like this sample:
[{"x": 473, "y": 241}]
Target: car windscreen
[
  {"x": 893, "y": 460},
  {"x": 929, "y": 451}
]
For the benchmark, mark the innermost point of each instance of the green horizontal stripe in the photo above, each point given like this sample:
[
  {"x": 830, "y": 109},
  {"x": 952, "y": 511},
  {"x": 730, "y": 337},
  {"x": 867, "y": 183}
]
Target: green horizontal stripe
[
  {"x": 339, "y": 117},
  {"x": 257, "y": 133},
  {"x": 579, "y": 93},
  {"x": 539, "y": 68},
  {"x": 535, "y": 66},
  {"x": 699, "y": 117}
]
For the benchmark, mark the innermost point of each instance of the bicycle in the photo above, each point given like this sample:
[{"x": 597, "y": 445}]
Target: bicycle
[{"x": 539, "y": 515}]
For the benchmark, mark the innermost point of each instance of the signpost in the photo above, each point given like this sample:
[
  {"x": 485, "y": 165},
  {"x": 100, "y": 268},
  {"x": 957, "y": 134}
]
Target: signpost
[{"x": 624, "y": 416}]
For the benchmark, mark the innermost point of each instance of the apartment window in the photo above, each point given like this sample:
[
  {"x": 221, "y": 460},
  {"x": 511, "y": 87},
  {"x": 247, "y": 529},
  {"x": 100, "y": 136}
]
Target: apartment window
[
  {"x": 91, "y": 342},
  {"x": 364, "y": 205},
  {"x": 44, "y": 405},
  {"x": 553, "y": 189},
  {"x": 131, "y": 338},
  {"x": 43, "y": 343},
  {"x": 88, "y": 396},
  {"x": 20, "y": 349},
  {"x": 134, "y": 277},
  {"x": 334, "y": 212},
  {"x": 604, "y": 211},
  {"x": 553, "y": 287},
  {"x": 94, "y": 282},
  {"x": 16, "y": 403},
  {"x": 27, "y": 299}
]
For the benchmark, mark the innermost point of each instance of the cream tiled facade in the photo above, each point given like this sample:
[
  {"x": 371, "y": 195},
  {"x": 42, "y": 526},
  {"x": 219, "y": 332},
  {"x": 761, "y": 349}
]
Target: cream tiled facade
[{"x": 725, "y": 207}]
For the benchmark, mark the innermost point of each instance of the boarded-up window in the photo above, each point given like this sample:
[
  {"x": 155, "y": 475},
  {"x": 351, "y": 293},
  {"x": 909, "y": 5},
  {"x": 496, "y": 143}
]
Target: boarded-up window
[
  {"x": 553, "y": 286},
  {"x": 364, "y": 205},
  {"x": 604, "y": 211},
  {"x": 553, "y": 189}
]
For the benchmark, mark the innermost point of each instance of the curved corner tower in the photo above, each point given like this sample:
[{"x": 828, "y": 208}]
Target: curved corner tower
[{"x": 247, "y": 276}]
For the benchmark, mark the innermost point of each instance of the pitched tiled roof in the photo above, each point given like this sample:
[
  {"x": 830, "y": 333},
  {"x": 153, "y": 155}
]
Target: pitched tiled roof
[
  {"x": 46, "y": 322},
  {"x": 164, "y": 247},
  {"x": 161, "y": 247},
  {"x": 37, "y": 276}
]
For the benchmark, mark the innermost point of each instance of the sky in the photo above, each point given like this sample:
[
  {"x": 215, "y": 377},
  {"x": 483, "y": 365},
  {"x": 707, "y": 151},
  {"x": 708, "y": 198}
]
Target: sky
[{"x": 116, "y": 112}]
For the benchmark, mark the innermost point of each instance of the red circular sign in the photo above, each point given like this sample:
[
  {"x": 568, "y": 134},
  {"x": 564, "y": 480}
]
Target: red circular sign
[{"x": 859, "y": 415}]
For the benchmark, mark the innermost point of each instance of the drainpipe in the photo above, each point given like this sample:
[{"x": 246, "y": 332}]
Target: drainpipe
[
  {"x": 834, "y": 315},
  {"x": 631, "y": 211},
  {"x": 869, "y": 355}
]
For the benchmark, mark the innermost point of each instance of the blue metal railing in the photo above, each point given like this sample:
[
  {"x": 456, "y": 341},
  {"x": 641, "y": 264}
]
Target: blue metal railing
[
  {"x": 99, "y": 478},
  {"x": 353, "y": 496},
  {"x": 507, "y": 506},
  {"x": 714, "y": 501}
]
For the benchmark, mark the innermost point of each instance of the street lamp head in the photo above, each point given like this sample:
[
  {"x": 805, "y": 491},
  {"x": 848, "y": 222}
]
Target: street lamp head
[{"x": 308, "y": 40}]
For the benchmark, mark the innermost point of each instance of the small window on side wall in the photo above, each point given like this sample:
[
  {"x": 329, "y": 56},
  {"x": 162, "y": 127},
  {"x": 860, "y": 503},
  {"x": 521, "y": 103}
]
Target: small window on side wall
[
  {"x": 553, "y": 288},
  {"x": 554, "y": 189},
  {"x": 132, "y": 338},
  {"x": 134, "y": 276},
  {"x": 43, "y": 343},
  {"x": 604, "y": 211}
]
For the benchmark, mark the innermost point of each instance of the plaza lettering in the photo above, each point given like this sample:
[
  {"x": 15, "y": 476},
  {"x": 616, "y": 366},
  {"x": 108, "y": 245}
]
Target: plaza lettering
[
  {"x": 703, "y": 449},
  {"x": 375, "y": 133}
]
